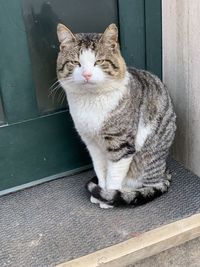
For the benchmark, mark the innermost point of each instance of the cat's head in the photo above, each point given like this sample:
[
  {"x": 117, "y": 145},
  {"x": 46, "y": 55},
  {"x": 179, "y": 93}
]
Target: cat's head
[{"x": 89, "y": 59}]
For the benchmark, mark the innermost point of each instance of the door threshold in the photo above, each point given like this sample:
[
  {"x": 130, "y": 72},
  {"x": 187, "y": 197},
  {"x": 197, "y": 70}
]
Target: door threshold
[{"x": 46, "y": 179}]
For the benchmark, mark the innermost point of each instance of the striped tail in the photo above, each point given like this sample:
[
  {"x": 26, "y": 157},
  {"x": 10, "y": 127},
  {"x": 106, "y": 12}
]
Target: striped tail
[{"x": 120, "y": 198}]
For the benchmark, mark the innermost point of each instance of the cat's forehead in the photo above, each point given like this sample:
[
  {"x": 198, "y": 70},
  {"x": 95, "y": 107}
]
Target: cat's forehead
[
  {"x": 87, "y": 56},
  {"x": 88, "y": 40}
]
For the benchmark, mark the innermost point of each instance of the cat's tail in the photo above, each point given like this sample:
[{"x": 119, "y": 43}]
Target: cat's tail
[{"x": 137, "y": 197}]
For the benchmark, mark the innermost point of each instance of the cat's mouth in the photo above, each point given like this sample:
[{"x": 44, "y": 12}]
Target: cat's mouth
[{"x": 89, "y": 83}]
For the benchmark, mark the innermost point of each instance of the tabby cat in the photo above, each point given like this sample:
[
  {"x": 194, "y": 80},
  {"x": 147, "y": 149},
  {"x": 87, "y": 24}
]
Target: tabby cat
[{"x": 123, "y": 115}]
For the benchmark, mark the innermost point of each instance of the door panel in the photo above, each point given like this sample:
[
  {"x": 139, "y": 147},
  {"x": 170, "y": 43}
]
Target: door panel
[
  {"x": 39, "y": 148},
  {"x": 16, "y": 81},
  {"x": 132, "y": 32},
  {"x": 2, "y": 118},
  {"x": 39, "y": 140},
  {"x": 141, "y": 34},
  {"x": 153, "y": 24},
  {"x": 41, "y": 19}
]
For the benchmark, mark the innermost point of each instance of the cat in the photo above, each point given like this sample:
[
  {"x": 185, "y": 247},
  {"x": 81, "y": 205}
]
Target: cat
[{"x": 124, "y": 116}]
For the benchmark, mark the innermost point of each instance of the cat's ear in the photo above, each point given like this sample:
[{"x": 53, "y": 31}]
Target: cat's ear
[
  {"x": 65, "y": 36},
  {"x": 110, "y": 36}
]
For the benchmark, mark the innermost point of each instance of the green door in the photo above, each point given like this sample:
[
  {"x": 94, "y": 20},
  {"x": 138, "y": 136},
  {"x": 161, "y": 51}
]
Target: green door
[{"x": 37, "y": 138}]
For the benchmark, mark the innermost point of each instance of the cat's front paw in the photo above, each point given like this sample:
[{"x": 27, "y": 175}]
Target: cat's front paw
[
  {"x": 105, "y": 206},
  {"x": 102, "y": 205},
  {"x": 94, "y": 200}
]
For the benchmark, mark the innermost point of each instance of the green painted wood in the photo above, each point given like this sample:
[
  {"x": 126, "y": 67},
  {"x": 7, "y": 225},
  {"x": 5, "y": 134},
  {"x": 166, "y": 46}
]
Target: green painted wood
[
  {"x": 33, "y": 147},
  {"x": 132, "y": 32},
  {"x": 2, "y": 117},
  {"x": 141, "y": 34},
  {"x": 153, "y": 23},
  {"x": 15, "y": 68},
  {"x": 38, "y": 148},
  {"x": 41, "y": 18}
]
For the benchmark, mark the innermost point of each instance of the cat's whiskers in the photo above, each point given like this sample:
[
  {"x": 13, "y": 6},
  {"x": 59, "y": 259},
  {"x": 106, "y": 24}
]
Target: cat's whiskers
[
  {"x": 52, "y": 86},
  {"x": 56, "y": 91},
  {"x": 52, "y": 89},
  {"x": 61, "y": 97}
]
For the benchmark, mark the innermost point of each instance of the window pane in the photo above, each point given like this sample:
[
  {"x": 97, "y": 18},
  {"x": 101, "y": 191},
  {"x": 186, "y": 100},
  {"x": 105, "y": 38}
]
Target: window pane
[{"x": 41, "y": 18}]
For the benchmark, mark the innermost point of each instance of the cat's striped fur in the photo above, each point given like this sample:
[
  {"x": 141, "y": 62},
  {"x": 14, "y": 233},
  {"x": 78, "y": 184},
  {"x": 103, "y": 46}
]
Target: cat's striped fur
[{"x": 125, "y": 117}]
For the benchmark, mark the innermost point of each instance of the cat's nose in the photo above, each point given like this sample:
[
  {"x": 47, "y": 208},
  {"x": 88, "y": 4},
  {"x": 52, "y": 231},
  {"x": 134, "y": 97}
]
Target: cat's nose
[{"x": 87, "y": 75}]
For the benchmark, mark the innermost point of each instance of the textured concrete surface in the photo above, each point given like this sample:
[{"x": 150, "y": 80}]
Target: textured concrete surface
[
  {"x": 55, "y": 222},
  {"x": 186, "y": 255}
]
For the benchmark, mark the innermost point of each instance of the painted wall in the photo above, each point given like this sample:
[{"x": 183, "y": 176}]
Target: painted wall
[{"x": 181, "y": 74}]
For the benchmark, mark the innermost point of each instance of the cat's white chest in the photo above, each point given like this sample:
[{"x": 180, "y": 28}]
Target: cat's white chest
[
  {"x": 90, "y": 112},
  {"x": 88, "y": 116}
]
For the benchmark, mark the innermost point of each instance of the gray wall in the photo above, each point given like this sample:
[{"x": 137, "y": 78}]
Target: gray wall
[{"x": 181, "y": 74}]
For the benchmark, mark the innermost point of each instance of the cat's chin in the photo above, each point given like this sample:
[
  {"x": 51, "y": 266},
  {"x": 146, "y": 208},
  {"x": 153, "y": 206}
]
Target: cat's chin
[
  {"x": 89, "y": 84},
  {"x": 77, "y": 85}
]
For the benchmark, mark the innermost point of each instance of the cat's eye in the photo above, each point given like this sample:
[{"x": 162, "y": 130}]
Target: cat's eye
[
  {"x": 74, "y": 62},
  {"x": 99, "y": 62}
]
